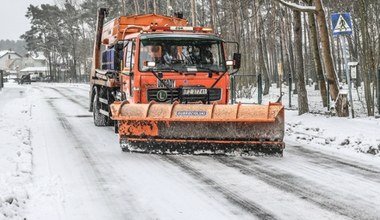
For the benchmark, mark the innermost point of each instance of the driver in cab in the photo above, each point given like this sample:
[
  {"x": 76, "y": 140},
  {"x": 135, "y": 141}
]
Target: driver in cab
[{"x": 155, "y": 53}]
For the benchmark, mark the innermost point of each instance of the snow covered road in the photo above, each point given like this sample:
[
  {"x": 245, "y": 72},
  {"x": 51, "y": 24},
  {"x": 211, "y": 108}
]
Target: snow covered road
[{"x": 79, "y": 172}]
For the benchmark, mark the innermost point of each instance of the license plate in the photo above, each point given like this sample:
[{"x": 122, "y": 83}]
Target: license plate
[
  {"x": 194, "y": 91},
  {"x": 168, "y": 82}
]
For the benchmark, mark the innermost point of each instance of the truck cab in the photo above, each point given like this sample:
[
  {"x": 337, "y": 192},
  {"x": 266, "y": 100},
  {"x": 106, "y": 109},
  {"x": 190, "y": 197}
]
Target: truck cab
[
  {"x": 169, "y": 67},
  {"x": 155, "y": 58}
]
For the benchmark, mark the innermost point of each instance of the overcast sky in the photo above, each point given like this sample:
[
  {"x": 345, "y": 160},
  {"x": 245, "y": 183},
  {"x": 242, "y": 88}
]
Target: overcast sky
[{"x": 13, "y": 22}]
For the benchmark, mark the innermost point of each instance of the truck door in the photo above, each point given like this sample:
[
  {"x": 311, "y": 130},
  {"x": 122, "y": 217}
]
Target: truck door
[{"x": 128, "y": 74}]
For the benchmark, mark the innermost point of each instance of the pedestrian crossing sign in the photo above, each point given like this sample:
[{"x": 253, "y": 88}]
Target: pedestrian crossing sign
[{"x": 341, "y": 24}]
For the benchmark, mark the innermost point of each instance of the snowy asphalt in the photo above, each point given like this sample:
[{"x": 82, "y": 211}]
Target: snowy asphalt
[{"x": 79, "y": 172}]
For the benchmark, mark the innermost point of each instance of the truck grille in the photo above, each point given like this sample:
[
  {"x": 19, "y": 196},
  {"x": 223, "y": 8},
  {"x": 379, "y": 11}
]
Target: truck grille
[
  {"x": 153, "y": 95},
  {"x": 215, "y": 94},
  {"x": 164, "y": 95}
]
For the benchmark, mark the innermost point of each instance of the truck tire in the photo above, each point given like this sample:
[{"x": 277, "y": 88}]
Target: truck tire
[{"x": 100, "y": 120}]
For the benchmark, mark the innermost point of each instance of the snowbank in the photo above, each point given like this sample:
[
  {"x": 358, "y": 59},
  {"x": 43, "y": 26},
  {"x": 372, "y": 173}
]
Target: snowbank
[
  {"x": 16, "y": 158},
  {"x": 358, "y": 134}
]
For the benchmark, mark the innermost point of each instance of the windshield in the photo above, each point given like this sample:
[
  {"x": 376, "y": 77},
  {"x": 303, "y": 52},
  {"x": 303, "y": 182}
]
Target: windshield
[{"x": 182, "y": 54}]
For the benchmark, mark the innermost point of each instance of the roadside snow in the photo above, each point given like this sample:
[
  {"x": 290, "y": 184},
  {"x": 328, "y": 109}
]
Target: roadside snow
[
  {"x": 358, "y": 134},
  {"x": 319, "y": 128},
  {"x": 16, "y": 155}
]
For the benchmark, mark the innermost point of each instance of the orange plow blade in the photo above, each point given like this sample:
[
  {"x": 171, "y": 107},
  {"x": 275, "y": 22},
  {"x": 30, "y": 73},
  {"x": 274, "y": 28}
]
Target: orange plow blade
[{"x": 200, "y": 128}]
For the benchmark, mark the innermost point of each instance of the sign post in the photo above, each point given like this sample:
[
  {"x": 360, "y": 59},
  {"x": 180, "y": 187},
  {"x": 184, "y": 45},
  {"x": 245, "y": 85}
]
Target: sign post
[
  {"x": 378, "y": 91},
  {"x": 260, "y": 89},
  {"x": 290, "y": 89},
  {"x": 279, "y": 65},
  {"x": 1, "y": 80},
  {"x": 342, "y": 25}
]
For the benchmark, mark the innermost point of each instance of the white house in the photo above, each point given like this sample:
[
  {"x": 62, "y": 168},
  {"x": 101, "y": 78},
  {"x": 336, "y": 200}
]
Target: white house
[
  {"x": 6, "y": 59},
  {"x": 31, "y": 63}
]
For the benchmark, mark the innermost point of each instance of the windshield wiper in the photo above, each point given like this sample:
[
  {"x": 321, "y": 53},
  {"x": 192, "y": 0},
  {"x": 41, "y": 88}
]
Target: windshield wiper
[
  {"x": 176, "y": 69},
  {"x": 208, "y": 69},
  {"x": 217, "y": 80}
]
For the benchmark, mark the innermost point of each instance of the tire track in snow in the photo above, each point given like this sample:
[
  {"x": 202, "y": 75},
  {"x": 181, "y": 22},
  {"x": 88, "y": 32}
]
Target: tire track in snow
[
  {"x": 360, "y": 169},
  {"x": 83, "y": 98},
  {"x": 80, "y": 88},
  {"x": 288, "y": 183},
  {"x": 230, "y": 197},
  {"x": 100, "y": 179},
  {"x": 69, "y": 98},
  {"x": 234, "y": 198}
]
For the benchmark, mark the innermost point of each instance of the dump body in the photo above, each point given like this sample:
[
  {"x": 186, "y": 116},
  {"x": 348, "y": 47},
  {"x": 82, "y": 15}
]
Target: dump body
[{"x": 165, "y": 87}]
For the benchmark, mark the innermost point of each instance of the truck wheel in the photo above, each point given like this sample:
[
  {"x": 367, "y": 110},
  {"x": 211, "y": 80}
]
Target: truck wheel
[{"x": 99, "y": 118}]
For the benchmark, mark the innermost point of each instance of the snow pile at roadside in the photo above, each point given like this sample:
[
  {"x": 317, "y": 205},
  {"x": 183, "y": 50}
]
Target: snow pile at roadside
[
  {"x": 359, "y": 134},
  {"x": 318, "y": 128},
  {"x": 16, "y": 158}
]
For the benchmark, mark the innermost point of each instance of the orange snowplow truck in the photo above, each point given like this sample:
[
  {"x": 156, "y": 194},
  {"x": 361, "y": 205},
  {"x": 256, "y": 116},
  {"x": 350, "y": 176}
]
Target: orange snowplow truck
[{"x": 165, "y": 86}]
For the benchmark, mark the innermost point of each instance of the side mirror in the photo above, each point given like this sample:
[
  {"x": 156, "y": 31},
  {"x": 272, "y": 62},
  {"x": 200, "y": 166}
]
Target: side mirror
[{"x": 237, "y": 60}]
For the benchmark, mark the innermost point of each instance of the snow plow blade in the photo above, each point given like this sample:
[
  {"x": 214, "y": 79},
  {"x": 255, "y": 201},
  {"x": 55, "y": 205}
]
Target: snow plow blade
[{"x": 200, "y": 128}]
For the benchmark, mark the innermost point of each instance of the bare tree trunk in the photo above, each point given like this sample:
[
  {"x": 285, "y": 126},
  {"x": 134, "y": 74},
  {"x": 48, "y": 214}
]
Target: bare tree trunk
[
  {"x": 366, "y": 59},
  {"x": 212, "y": 14},
  {"x": 154, "y": 7},
  {"x": 303, "y": 106},
  {"x": 146, "y": 6},
  {"x": 317, "y": 59},
  {"x": 292, "y": 59},
  {"x": 193, "y": 13},
  {"x": 137, "y": 9},
  {"x": 265, "y": 64},
  {"x": 285, "y": 55},
  {"x": 253, "y": 60},
  {"x": 327, "y": 58},
  {"x": 260, "y": 47},
  {"x": 305, "y": 49},
  {"x": 203, "y": 18}
]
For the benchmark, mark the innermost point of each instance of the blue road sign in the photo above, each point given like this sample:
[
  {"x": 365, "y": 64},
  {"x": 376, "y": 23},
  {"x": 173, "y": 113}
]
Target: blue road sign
[{"x": 341, "y": 24}]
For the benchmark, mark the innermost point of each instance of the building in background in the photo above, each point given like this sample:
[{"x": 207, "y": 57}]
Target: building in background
[
  {"x": 31, "y": 63},
  {"x": 6, "y": 59}
]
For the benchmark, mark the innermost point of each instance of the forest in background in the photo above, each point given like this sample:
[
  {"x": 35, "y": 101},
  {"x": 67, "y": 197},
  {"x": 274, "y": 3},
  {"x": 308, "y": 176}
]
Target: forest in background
[
  {"x": 19, "y": 46},
  {"x": 268, "y": 33}
]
